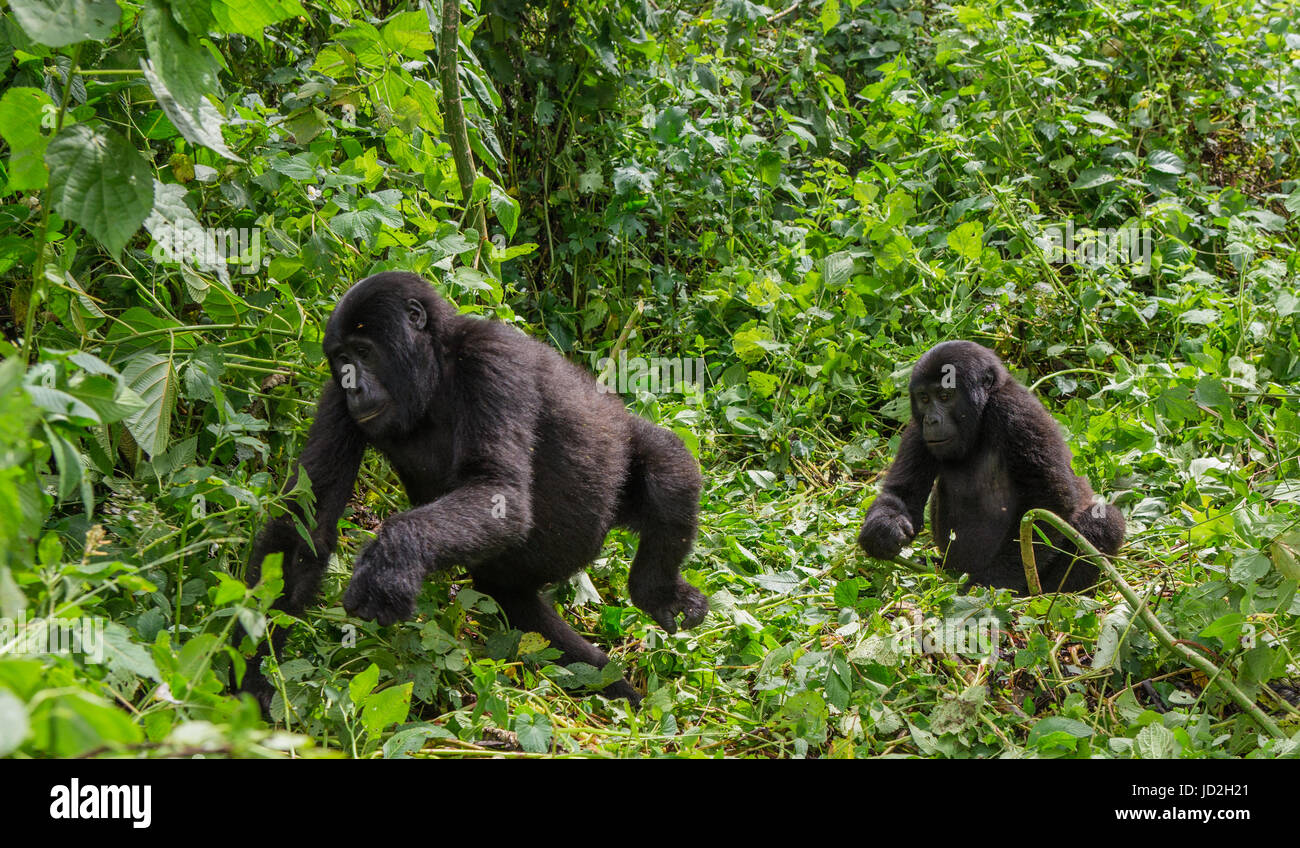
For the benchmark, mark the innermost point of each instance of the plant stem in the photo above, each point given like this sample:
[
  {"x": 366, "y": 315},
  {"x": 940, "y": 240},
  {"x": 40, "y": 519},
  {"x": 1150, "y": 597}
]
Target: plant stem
[{"x": 1195, "y": 660}]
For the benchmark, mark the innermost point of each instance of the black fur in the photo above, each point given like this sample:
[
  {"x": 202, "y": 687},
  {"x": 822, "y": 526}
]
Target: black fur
[
  {"x": 991, "y": 452},
  {"x": 515, "y": 462}
]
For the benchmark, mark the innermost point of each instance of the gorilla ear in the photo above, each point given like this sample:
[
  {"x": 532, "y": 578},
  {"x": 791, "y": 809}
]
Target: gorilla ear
[{"x": 416, "y": 314}]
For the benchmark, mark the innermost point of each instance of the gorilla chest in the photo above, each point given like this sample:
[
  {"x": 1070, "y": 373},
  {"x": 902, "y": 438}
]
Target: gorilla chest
[
  {"x": 975, "y": 499},
  {"x": 424, "y": 465}
]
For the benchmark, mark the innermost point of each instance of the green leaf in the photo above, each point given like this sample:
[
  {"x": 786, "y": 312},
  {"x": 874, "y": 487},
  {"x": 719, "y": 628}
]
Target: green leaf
[
  {"x": 1156, "y": 742},
  {"x": 505, "y": 208},
  {"x": 1210, "y": 392},
  {"x": 363, "y": 684},
  {"x": 1094, "y": 177},
  {"x": 534, "y": 732},
  {"x": 769, "y": 164},
  {"x": 1058, "y": 724},
  {"x": 252, "y": 17},
  {"x": 56, "y": 23},
  {"x": 99, "y": 180},
  {"x": 21, "y": 113},
  {"x": 1100, "y": 119},
  {"x": 387, "y": 706},
  {"x": 1165, "y": 162},
  {"x": 968, "y": 240},
  {"x": 14, "y": 725},
  {"x": 838, "y": 269},
  {"x": 151, "y": 377},
  {"x": 76, "y": 722},
  {"x": 830, "y": 16},
  {"x": 182, "y": 75}
]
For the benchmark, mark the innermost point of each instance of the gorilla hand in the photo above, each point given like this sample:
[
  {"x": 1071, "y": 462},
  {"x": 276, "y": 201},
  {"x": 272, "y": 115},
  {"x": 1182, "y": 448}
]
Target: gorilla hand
[
  {"x": 385, "y": 582},
  {"x": 885, "y": 530}
]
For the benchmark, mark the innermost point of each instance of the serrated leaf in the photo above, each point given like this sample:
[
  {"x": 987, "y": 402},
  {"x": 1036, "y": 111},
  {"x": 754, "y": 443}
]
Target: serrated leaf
[
  {"x": 838, "y": 268},
  {"x": 1156, "y": 742},
  {"x": 968, "y": 240},
  {"x": 99, "y": 180},
  {"x": 182, "y": 75}
]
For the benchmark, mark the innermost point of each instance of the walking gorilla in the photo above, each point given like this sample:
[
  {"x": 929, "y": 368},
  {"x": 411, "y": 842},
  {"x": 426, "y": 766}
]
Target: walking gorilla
[
  {"x": 996, "y": 454},
  {"x": 515, "y": 462}
]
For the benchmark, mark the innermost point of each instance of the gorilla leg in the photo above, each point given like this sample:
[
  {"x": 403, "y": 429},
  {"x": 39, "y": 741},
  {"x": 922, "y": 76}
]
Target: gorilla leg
[
  {"x": 660, "y": 500},
  {"x": 526, "y": 611}
]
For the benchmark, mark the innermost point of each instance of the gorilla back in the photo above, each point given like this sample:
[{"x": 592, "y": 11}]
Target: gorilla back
[
  {"x": 516, "y": 463},
  {"x": 991, "y": 452}
]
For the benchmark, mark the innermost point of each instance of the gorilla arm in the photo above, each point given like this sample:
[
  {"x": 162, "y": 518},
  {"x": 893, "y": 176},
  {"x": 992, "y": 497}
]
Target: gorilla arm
[
  {"x": 495, "y": 420},
  {"x": 898, "y": 513},
  {"x": 331, "y": 460}
]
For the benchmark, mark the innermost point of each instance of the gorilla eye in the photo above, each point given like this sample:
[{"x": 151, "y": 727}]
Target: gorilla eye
[
  {"x": 923, "y": 398},
  {"x": 945, "y": 396}
]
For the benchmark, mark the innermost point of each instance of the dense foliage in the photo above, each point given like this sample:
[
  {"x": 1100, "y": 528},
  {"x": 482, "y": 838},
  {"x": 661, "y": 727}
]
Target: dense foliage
[{"x": 804, "y": 197}]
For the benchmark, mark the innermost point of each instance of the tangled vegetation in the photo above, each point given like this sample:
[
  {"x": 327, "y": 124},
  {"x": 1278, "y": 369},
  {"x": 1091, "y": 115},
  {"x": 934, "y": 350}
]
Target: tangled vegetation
[{"x": 805, "y": 198}]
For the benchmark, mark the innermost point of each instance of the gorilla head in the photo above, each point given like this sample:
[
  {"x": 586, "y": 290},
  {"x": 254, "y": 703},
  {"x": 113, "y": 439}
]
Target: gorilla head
[
  {"x": 380, "y": 345},
  {"x": 949, "y": 389}
]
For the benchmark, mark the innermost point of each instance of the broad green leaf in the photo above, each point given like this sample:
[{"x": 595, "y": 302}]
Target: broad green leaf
[
  {"x": 387, "y": 706},
  {"x": 1100, "y": 119},
  {"x": 1165, "y": 162},
  {"x": 968, "y": 240},
  {"x": 534, "y": 732},
  {"x": 99, "y": 180},
  {"x": 76, "y": 722},
  {"x": 21, "y": 114},
  {"x": 363, "y": 684},
  {"x": 838, "y": 269},
  {"x": 252, "y": 17},
  {"x": 1094, "y": 177},
  {"x": 56, "y": 23},
  {"x": 505, "y": 208},
  {"x": 182, "y": 75},
  {"x": 151, "y": 377},
  {"x": 1156, "y": 742},
  {"x": 830, "y": 16}
]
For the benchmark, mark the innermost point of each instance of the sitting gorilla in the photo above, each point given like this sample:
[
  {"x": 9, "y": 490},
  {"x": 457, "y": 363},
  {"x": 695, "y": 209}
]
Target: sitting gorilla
[
  {"x": 996, "y": 454},
  {"x": 516, "y": 464}
]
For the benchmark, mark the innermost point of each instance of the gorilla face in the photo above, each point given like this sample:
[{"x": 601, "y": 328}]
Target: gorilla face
[
  {"x": 377, "y": 351},
  {"x": 949, "y": 388},
  {"x": 943, "y": 414}
]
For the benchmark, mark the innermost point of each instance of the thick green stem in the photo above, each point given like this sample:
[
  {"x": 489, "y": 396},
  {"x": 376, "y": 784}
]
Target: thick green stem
[
  {"x": 1195, "y": 660},
  {"x": 454, "y": 111},
  {"x": 37, "y": 292}
]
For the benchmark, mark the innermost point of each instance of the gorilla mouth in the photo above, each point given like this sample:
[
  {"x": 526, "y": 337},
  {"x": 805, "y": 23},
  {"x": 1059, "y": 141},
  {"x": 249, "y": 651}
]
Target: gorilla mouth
[{"x": 371, "y": 415}]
